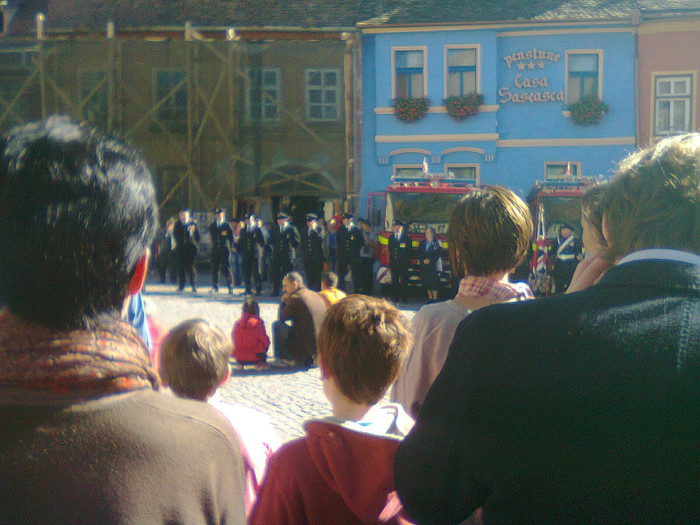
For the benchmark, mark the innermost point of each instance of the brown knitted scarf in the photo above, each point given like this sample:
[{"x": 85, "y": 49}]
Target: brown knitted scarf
[{"x": 38, "y": 364}]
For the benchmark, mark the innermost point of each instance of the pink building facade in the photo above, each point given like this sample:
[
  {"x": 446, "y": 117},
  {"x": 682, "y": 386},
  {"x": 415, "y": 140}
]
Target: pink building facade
[{"x": 668, "y": 68}]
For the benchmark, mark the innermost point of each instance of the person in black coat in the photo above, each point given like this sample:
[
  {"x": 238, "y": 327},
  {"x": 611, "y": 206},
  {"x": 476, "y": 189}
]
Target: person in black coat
[
  {"x": 566, "y": 252},
  {"x": 221, "y": 240},
  {"x": 581, "y": 407},
  {"x": 312, "y": 252},
  {"x": 399, "y": 252},
  {"x": 429, "y": 253},
  {"x": 249, "y": 245},
  {"x": 186, "y": 236},
  {"x": 284, "y": 239}
]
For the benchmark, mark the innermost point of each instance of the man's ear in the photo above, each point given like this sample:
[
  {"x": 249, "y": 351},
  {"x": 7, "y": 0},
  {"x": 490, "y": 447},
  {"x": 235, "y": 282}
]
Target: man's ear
[
  {"x": 325, "y": 373},
  {"x": 138, "y": 278},
  {"x": 225, "y": 380}
]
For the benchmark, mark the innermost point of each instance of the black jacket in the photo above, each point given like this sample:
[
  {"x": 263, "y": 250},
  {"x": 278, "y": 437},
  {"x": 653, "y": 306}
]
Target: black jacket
[
  {"x": 284, "y": 242},
  {"x": 399, "y": 250},
  {"x": 580, "y": 408},
  {"x": 221, "y": 235}
]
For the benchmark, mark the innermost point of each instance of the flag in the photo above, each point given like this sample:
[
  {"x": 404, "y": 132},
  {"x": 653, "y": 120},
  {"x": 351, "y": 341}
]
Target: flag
[
  {"x": 567, "y": 173},
  {"x": 425, "y": 167}
]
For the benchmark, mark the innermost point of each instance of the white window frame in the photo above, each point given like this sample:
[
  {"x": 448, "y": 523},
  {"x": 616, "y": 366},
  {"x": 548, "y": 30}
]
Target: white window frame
[
  {"x": 575, "y": 168},
  {"x": 424, "y": 49},
  {"x": 399, "y": 167},
  {"x": 477, "y": 80},
  {"x": 277, "y": 103},
  {"x": 571, "y": 52},
  {"x": 476, "y": 166},
  {"x": 171, "y": 102},
  {"x": 324, "y": 89},
  {"x": 688, "y": 97}
]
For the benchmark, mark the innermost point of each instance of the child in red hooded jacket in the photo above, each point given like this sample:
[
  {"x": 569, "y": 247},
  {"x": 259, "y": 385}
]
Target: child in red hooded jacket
[{"x": 250, "y": 341}]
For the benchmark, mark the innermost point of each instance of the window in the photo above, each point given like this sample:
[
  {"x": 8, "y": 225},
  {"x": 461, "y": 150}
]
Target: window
[
  {"x": 94, "y": 96},
  {"x": 322, "y": 94},
  {"x": 672, "y": 102},
  {"x": 409, "y": 79},
  {"x": 171, "y": 88},
  {"x": 262, "y": 93},
  {"x": 558, "y": 170},
  {"x": 461, "y": 71},
  {"x": 583, "y": 74},
  {"x": 463, "y": 172},
  {"x": 408, "y": 172}
]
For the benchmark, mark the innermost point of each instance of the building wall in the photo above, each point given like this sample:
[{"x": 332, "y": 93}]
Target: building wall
[
  {"x": 512, "y": 137},
  {"x": 667, "y": 47},
  {"x": 223, "y": 154}
]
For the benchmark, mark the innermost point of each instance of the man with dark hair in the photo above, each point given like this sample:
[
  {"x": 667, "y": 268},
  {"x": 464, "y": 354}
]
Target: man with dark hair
[
  {"x": 249, "y": 245},
  {"x": 186, "y": 239},
  {"x": 567, "y": 252},
  {"x": 364, "y": 280},
  {"x": 221, "y": 240},
  {"x": 581, "y": 407},
  {"x": 284, "y": 240},
  {"x": 85, "y": 436},
  {"x": 399, "y": 251},
  {"x": 312, "y": 245}
]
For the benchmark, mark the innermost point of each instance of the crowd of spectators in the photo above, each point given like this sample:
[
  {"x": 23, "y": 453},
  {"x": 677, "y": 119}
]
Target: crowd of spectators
[{"x": 577, "y": 408}]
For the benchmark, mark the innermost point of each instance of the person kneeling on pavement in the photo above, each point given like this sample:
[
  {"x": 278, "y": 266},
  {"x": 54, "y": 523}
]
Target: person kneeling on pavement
[
  {"x": 301, "y": 313},
  {"x": 341, "y": 471}
]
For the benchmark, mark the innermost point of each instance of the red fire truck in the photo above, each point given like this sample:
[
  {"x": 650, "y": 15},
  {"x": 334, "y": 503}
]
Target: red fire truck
[
  {"x": 420, "y": 202},
  {"x": 553, "y": 203}
]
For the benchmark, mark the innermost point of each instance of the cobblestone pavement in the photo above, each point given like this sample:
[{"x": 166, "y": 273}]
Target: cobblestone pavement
[{"x": 288, "y": 397}]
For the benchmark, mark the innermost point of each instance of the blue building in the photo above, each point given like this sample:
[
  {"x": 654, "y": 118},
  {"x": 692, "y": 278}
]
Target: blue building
[{"x": 530, "y": 73}]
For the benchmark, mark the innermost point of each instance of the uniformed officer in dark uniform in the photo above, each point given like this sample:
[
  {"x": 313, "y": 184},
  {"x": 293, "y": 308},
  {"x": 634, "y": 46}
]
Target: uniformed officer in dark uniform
[
  {"x": 250, "y": 242},
  {"x": 354, "y": 242},
  {"x": 341, "y": 243},
  {"x": 284, "y": 240},
  {"x": 399, "y": 251},
  {"x": 568, "y": 252},
  {"x": 312, "y": 254},
  {"x": 221, "y": 239},
  {"x": 186, "y": 239}
]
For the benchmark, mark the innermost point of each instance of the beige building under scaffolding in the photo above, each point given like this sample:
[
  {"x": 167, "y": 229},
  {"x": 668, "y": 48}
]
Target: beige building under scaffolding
[{"x": 254, "y": 118}]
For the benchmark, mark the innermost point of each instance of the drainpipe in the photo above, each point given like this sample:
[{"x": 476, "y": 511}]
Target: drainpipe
[{"x": 635, "y": 19}]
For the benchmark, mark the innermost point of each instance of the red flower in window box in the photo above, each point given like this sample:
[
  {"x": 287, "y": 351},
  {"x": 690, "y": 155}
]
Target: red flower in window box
[
  {"x": 589, "y": 110},
  {"x": 410, "y": 109},
  {"x": 460, "y": 108}
]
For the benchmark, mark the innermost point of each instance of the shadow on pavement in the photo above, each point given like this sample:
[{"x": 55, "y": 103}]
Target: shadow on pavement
[{"x": 272, "y": 371}]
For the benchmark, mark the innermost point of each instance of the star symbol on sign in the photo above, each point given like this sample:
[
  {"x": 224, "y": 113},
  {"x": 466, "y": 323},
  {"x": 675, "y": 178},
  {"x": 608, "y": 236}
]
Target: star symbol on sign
[
  {"x": 540, "y": 65},
  {"x": 521, "y": 66},
  {"x": 531, "y": 65}
]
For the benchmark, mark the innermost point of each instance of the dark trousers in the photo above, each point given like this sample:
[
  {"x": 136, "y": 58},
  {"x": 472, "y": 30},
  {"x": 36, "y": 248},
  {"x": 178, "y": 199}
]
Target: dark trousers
[
  {"x": 399, "y": 281},
  {"x": 185, "y": 267},
  {"x": 341, "y": 268},
  {"x": 279, "y": 267},
  {"x": 237, "y": 268},
  {"x": 280, "y": 340},
  {"x": 251, "y": 275},
  {"x": 166, "y": 261},
  {"x": 313, "y": 271},
  {"x": 220, "y": 263},
  {"x": 364, "y": 276}
]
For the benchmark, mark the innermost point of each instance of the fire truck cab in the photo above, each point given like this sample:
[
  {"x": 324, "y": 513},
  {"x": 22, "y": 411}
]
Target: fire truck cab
[
  {"x": 420, "y": 202},
  {"x": 553, "y": 203}
]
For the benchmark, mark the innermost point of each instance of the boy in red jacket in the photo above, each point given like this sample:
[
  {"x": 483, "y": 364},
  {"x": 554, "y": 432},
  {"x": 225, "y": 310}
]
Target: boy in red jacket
[
  {"x": 341, "y": 472},
  {"x": 250, "y": 341}
]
